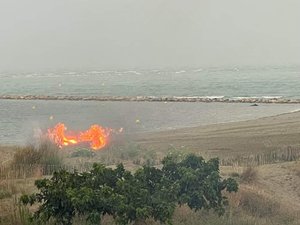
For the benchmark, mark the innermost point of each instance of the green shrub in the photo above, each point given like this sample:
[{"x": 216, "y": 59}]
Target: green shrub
[{"x": 149, "y": 193}]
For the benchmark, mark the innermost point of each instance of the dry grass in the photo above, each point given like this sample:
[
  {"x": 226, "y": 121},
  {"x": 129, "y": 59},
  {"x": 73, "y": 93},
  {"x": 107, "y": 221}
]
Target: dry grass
[
  {"x": 284, "y": 154},
  {"x": 45, "y": 153},
  {"x": 248, "y": 207},
  {"x": 249, "y": 175},
  {"x": 258, "y": 205},
  {"x": 11, "y": 212},
  {"x": 31, "y": 161}
]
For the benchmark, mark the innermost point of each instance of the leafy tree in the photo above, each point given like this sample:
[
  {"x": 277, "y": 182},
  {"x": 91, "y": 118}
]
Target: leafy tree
[
  {"x": 149, "y": 194},
  {"x": 132, "y": 197},
  {"x": 200, "y": 184}
]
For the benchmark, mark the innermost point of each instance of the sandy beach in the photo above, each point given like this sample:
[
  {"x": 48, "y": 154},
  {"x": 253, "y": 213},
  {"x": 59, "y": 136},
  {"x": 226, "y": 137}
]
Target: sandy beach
[
  {"x": 252, "y": 136},
  {"x": 222, "y": 139}
]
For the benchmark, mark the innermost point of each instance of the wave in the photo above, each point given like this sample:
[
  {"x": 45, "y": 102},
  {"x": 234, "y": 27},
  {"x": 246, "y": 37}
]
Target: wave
[
  {"x": 131, "y": 71},
  {"x": 294, "y": 111},
  {"x": 207, "y": 99},
  {"x": 256, "y": 97},
  {"x": 181, "y": 71},
  {"x": 198, "y": 70}
]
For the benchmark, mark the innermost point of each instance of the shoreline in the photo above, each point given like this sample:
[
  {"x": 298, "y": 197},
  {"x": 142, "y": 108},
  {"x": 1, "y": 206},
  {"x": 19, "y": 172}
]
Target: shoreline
[
  {"x": 193, "y": 129},
  {"x": 220, "y": 99},
  {"x": 223, "y": 140}
]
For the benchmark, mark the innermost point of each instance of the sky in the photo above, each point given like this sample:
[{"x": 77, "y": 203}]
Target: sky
[{"x": 46, "y": 35}]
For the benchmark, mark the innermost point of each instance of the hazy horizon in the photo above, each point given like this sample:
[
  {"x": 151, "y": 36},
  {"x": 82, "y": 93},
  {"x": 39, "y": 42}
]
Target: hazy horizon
[{"x": 63, "y": 35}]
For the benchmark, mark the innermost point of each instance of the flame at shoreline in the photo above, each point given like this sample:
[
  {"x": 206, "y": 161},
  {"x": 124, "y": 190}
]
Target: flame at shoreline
[{"x": 96, "y": 135}]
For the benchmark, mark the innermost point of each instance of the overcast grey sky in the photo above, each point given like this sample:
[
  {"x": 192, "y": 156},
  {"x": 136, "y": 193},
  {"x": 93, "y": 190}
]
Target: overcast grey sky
[{"x": 116, "y": 34}]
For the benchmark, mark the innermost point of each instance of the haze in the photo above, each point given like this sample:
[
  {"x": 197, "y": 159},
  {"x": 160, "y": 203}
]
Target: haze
[{"x": 121, "y": 34}]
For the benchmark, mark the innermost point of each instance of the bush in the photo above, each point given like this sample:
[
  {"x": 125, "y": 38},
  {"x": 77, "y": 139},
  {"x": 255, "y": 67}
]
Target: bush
[
  {"x": 45, "y": 156},
  {"x": 45, "y": 153},
  {"x": 132, "y": 197}
]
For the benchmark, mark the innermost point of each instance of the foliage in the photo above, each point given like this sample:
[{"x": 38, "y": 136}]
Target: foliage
[
  {"x": 132, "y": 197},
  {"x": 200, "y": 184}
]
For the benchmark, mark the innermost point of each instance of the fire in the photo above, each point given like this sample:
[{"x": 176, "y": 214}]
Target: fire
[{"x": 96, "y": 135}]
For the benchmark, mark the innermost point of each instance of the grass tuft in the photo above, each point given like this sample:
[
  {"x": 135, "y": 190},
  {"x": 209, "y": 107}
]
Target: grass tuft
[
  {"x": 249, "y": 175},
  {"x": 259, "y": 205},
  {"x": 42, "y": 159}
]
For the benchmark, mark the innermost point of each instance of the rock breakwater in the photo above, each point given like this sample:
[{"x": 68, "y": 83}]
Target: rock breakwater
[{"x": 152, "y": 99}]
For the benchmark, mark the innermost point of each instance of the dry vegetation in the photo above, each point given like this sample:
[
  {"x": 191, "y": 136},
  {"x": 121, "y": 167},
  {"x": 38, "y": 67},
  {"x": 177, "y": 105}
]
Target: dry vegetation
[
  {"x": 249, "y": 175},
  {"x": 269, "y": 194}
]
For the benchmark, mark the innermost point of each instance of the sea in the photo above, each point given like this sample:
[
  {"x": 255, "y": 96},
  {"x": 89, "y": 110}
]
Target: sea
[{"x": 22, "y": 120}]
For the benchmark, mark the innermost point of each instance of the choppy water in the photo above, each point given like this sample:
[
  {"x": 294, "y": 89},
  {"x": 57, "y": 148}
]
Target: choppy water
[
  {"x": 230, "y": 82},
  {"x": 19, "y": 120}
]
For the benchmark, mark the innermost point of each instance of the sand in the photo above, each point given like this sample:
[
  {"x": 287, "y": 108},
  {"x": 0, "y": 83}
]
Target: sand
[
  {"x": 269, "y": 133},
  {"x": 222, "y": 140},
  {"x": 277, "y": 181}
]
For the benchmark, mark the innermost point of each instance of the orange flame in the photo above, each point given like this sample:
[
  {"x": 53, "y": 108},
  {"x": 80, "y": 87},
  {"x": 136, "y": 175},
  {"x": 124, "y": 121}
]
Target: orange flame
[{"x": 96, "y": 135}]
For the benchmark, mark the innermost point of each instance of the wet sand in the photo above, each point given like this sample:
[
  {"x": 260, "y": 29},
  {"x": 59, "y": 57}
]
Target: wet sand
[{"x": 253, "y": 136}]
